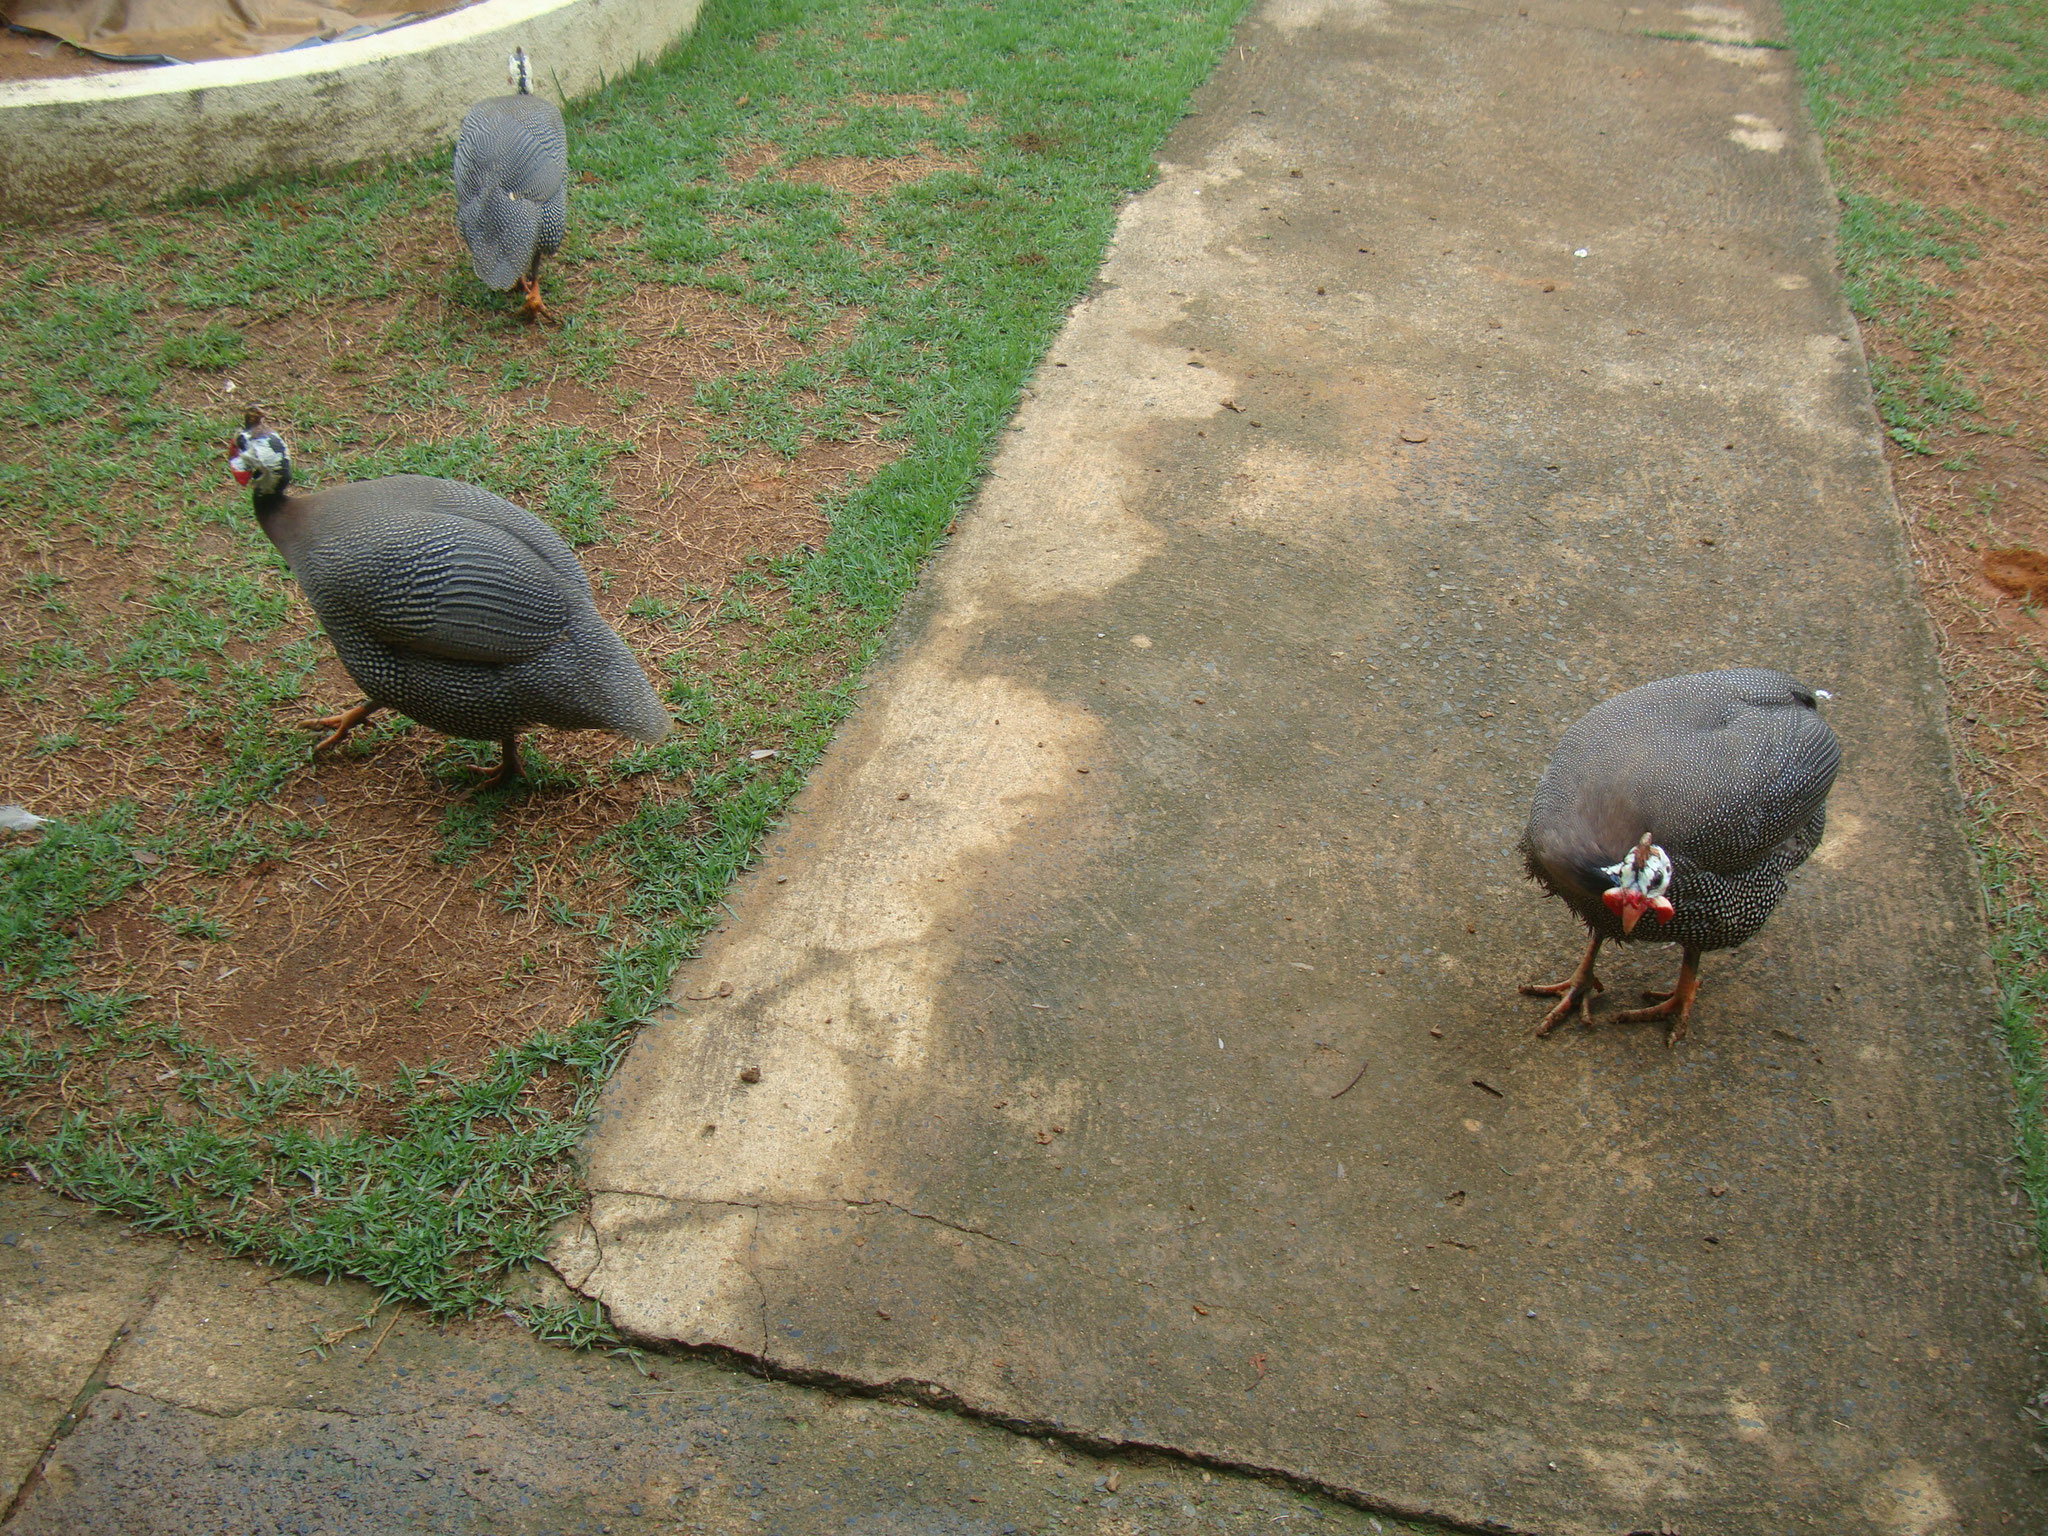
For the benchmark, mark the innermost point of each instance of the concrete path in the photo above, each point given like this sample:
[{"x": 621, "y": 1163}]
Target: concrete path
[
  {"x": 149, "y": 1390},
  {"x": 1468, "y": 364}
]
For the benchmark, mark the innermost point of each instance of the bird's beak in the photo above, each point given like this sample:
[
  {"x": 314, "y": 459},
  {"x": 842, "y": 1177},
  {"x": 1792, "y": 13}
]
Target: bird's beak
[{"x": 1631, "y": 914}]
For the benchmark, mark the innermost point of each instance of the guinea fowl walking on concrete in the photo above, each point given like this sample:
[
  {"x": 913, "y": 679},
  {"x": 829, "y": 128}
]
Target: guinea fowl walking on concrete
[
  {"x": 448, "y": 604},
  {"x": 1687, "y": 800},
  {"x": 512, "y": 186}
]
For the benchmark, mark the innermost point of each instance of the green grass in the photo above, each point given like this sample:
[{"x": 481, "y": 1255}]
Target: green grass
[
  {"x": 1858, "y": 58},
  {"x": 1888, "y": 249},
  {"x": 114, "y": 340},
  {"x": 2018, "y": 908}
]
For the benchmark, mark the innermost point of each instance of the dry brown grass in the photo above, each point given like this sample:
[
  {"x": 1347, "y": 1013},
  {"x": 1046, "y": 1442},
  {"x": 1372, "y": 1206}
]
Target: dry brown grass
[
  {"x": 858, "y": 178},
  {"x": 1983, "y": 493}
]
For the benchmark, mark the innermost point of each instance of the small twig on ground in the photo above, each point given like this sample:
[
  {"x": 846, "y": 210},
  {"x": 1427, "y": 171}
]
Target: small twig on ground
[{"x": 385, "y": 1334}]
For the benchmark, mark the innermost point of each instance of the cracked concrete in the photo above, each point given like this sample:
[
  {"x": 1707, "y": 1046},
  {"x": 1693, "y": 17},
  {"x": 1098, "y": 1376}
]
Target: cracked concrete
[
  {"x": 72, "y": 1287},
  {"x": 845, "y": 1205},
  {"x": 154, "y": 1390},
  {"x": 1467, "y": 364}
]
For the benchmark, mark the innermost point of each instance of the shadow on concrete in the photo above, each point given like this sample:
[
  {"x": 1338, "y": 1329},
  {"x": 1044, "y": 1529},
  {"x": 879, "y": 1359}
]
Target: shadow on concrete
[{"x": 1467, "y": 365}]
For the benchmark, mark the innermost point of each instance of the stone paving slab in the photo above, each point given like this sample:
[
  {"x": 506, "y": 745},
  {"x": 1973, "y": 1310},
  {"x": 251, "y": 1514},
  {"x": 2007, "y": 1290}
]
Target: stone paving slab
[
  {"x": 1468, "y": 364},
  {"x": 70, "y": 1284},
  {"x": 237, "y": 1401}
]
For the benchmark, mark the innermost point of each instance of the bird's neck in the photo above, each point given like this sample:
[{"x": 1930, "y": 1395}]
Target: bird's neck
[{"x": 282, "y": 517}]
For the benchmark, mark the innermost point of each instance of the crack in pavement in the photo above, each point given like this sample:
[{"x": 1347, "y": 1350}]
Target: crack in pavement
[
  {"x": 96, "y": 1381},
  {"x": 922, "y": 1393},
  {"x": 819, "y": 1206},
  {"x": 754, "y": 1274}
]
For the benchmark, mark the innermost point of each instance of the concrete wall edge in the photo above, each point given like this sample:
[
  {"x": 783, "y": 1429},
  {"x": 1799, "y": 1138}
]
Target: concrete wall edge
[{"x": 69, "y": 145}]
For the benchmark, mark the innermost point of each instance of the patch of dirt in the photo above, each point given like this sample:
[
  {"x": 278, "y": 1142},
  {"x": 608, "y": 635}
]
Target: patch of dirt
[
  {"x": 1977, "y": 508},
  {"x": 362, "y": 948},
  {"x": 857, "y": 177},
  {"x": 1971, "y": 154},
  {"x": 914, "y": 101},
  {"x": 386, "y": 938},
  {"x": 745, "y": 164},
  {"x": 862, "y": 179},
  {"x": 686, "y": 331},
  {"x": 2021, "y": 572}
]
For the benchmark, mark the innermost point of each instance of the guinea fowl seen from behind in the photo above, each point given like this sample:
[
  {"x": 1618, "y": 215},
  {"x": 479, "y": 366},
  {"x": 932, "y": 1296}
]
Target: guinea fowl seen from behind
[
  {"x": 449, "y": 605},
  {"x": 1673, "y": 813},
  {"x": 512, "y": 186}
]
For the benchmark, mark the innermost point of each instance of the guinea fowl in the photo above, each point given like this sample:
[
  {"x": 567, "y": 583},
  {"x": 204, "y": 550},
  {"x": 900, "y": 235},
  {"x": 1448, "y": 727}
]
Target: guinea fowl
[
  {"x": 512, "y": 186},
  {"x": 449, "y": 605},
  {"x": 1687, "y": 800}
]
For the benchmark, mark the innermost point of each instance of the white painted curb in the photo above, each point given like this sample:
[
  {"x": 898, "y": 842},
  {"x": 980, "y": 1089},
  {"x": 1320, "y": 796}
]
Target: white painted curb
[{"x": 77, "y": 143}]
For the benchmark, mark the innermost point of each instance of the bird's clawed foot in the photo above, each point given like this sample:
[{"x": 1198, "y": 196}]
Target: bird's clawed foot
[
  {"x": 1675, "y": 1005},
  {"x": 507, "y": 770},
  {"x": 340, "y": 725},
  {"x": 1575, "y": 991},
  {"x": 1575, "y": 994},
  {"x": 536, "y": 308}
]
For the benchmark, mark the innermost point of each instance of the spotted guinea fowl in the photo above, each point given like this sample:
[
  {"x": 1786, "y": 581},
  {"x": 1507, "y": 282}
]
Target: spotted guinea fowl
[
  {"x": 512, "y": 186},
  {"x": 449, "y": 605},
  {"x": 1688, "y": 800}
]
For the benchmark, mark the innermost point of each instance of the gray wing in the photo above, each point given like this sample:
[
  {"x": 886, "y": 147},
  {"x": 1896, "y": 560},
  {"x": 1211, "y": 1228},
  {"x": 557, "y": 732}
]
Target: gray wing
[
  {"x": 1726, "y": 765},
  {"x": 406, "y": 568},
  {"x": 1760, "y": 762},
  {"x": 511, "y": 185},
  {"x": 456, "y": 498}
]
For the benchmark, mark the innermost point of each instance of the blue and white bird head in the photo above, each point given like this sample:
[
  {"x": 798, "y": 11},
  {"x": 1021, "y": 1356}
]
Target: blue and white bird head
[
  {"x": 258, "y": 458},
  {"x": 520, "y": 72},
  {"x": 1640, "y": 881}
]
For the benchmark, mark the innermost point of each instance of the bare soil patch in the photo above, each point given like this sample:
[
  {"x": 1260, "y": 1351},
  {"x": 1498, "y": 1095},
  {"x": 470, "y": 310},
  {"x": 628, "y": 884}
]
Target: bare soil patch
[
  {"x": 746, "y": 163},
  {"x": 383, "y": 940},
  {"x": 861, "y": 179},
  {"x": 914, "y": 101},
  {"x": 858, "y": 178}
]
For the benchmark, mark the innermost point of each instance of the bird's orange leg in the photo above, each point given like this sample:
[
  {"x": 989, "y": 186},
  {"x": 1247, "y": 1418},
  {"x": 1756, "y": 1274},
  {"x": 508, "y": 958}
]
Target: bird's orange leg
[
  {"x": 1576, "y": 991},
  {"x": 536, "y": 308},
  {"x": 340, "y": 725},
  {"x": 1675, "y": 1005},
  {"x": 507, "y": 770}
]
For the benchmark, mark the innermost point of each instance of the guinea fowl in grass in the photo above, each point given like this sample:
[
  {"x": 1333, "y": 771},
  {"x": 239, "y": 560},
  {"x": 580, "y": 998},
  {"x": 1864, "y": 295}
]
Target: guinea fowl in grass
[
  {"x": 1687, "y": 801},
  {"x": 512, "y": 186},
  {"x": 449, "y": 605}
]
